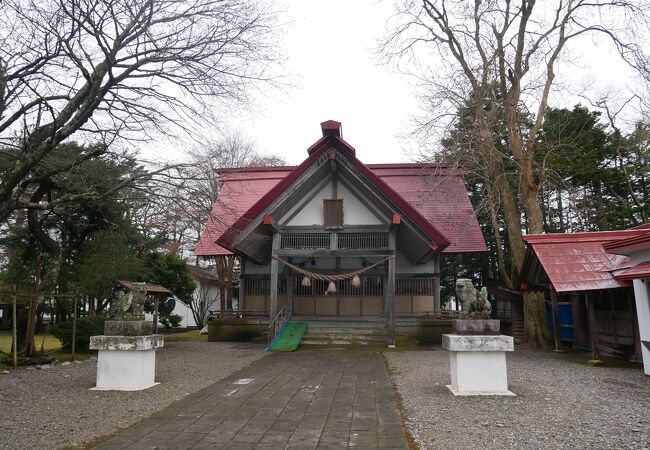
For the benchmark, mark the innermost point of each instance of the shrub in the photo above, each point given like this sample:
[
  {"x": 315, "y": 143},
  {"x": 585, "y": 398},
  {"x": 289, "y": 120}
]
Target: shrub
[
  {"x": 171, "y": 320},
  {"x": 86, "y": 327}
]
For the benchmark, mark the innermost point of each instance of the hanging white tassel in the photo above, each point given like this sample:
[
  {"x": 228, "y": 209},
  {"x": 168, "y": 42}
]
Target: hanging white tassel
[
  {"x": 306, "y": 281},
  {"x": 331, "y": 288},
  {"x": 356, "y": 281}
]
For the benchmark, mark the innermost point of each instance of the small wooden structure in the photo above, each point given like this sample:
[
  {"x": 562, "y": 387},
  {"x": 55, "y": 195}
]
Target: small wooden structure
[
  {"x": 507, "y": 306},
  {"x": 587, "y": 305}
]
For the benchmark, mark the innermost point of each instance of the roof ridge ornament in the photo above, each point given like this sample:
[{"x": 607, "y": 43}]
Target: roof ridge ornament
[{"x": 332, "y": 128}]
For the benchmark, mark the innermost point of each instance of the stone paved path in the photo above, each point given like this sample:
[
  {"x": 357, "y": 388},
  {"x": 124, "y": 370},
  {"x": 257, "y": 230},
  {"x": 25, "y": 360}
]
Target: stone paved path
[{"x": 326, "y": 399}]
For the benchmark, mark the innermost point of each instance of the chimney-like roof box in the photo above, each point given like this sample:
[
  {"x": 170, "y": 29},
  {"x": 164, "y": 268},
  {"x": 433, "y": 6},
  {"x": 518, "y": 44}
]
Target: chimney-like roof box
[{"x": 332, "y": 128}]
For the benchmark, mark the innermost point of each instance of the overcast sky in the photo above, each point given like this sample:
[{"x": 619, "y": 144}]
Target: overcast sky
[
  {"x": 330, "y": 53},
  {"x": 329, "y": 50}
]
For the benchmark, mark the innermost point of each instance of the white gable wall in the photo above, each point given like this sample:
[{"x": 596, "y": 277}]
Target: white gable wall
[{"x": 354, "y": 211}]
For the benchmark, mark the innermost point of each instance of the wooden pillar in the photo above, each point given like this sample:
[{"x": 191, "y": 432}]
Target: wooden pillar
[
  {"x": 593, "y": 329},
  {"x": 14, "y": 326},
  {"x": 390, "y": 288},
  {"x": 290, "y": 284},
  {"x": 436, "y": 283},
  {"x": 384, "y": 284},
  {"x": 273, "y": 307},
  {"x": 155, "y": 311},
  {"x": 556, "y": 321},
  {"x": 74, "y": 325},
  {"x": 241, "y": 304}
]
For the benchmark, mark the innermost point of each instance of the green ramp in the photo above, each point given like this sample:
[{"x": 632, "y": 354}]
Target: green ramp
[{"x": 289, "y": 338}]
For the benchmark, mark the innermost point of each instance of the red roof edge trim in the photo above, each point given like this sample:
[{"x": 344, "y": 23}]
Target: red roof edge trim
[
  {"x": 588, "y": 236},
  {"x": 226, "y": 170},
  {"x": 632, "y": 243},
  {"x": 448, "y": 168},
  {"x": 638, "y": 272},
  {"x": 458, "y": 170},
  {"x": 316, "y": 145}
]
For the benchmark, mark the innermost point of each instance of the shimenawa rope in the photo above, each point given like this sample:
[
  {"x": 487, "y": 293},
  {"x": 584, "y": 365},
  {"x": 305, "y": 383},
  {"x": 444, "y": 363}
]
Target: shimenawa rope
[{"x": 332, "y": 277}]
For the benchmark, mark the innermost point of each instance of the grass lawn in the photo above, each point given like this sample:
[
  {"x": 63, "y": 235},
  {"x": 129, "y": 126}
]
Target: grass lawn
[
  {"x": 50, "y": 343},
  {"x": 187, "y": 336}
]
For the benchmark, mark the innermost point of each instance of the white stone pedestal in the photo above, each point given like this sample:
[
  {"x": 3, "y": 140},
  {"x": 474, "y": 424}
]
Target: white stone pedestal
[
  {"x": 126, "y": 363},
  {"x": 478, "y": 364}
]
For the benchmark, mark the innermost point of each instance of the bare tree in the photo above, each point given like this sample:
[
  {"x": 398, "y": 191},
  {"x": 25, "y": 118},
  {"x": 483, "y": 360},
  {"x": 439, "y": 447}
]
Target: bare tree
[
  {"x": 204, "y": 296},
  {"x": 181, "y": 203},
  {"x": 619, "y": 141},
  {"x": 118, "y": 69},
  {"x": 503, "y": 56}
]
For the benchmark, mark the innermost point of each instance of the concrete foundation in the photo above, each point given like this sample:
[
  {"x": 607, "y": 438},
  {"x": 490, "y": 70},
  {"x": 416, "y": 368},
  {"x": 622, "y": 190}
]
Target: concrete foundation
[
  {"x": 126, "y": 363},
  {"x": 236, "y": 330},
  {"x": 342, "y": 331},
  {"x": 478, "y": 364}
]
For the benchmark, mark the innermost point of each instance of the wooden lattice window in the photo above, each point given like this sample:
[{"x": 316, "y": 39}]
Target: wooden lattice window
[{"x": 333, "y": 212}]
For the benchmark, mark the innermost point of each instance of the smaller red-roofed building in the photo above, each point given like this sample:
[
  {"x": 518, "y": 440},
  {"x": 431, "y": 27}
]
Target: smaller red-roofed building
[
  {"x": 334, "y": 239},
  {"x": 637, "y": 249},
  {"x": 590, "y": 300}
]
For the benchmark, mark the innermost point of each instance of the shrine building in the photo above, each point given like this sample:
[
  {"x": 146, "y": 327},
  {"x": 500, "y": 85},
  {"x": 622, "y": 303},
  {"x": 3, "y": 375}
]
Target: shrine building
[{"x": 334, "y": 240}]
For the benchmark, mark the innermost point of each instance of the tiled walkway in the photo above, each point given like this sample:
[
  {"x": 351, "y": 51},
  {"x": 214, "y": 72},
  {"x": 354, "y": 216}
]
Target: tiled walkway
[{"x": 326, "y": 399}]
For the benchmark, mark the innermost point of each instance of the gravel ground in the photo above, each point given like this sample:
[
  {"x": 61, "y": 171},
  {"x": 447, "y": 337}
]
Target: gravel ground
[
  {"x": 53, "y": 408},
  {"x": 559, "y": 404}
]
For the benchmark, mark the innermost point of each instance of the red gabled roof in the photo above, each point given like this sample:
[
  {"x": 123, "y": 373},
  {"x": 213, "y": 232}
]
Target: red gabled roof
[
  {"x": 577, "y": 261},
  {"x": 438, "y": 240},
  {"x": 630, "y": 244},
  {"x": 433, "y": 197},
  {"x": 639, "y": 272},
  {"x": 240, "y": 189}
]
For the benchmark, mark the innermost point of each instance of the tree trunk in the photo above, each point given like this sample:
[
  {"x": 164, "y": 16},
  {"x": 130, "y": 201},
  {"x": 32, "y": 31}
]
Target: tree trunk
[
  {"x": 529, "y": 190},
  {"x": 536, "y": 329},
  {"x": 560, "y": 211},
  {"x": 30, "y": 345},
  {"x": 599, "y": 207},
  {"x": 505, "y": 276},
  {"x": 512, "y": 217}
]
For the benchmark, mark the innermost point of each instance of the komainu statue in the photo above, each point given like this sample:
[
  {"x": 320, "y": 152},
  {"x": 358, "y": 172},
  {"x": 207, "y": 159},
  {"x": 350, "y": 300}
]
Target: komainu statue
[
  {"x": 130, "y": 306},
  {"x": 475, "y": 303}
]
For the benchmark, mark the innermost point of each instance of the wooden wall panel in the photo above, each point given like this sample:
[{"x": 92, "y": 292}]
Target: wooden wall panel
[
  {"x": 350, "y": 306},
  {"x": 403, "y": 304},
  {"x": 256, "y": 303},
  {"x": 422, "y": 303},
  {"x": 303, "y": 306},
  {"x": 373, "y": 306},
  {"x": 326, "y": 306}
]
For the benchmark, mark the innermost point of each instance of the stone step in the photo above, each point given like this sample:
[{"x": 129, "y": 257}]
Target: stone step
[
  {"x": 346, "y": 339},
  {"x": 353, "y": 332},
  {"x": 339, "y": 330}
]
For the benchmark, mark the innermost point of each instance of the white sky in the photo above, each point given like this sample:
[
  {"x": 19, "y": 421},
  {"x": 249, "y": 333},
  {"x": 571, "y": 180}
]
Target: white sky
[
  {"x": 330, "y": 54},
  {"x": 330, "y": 58}
]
